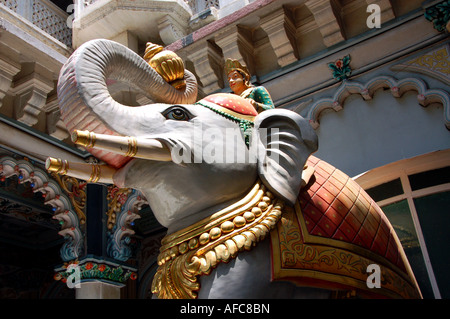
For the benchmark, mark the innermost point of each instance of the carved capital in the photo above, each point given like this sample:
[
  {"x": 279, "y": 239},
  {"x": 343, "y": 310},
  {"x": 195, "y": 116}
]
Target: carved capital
[
  {"x": 170, "y": 30},
  {"x": 7, "y": 71},
  {"x": 327, "y": 21},
  {"x": 236, "y": 43},
  {"x": 280, "y": 29},
  {"x": 30, "y": 98},
  {"x": 208, "y": 63}
]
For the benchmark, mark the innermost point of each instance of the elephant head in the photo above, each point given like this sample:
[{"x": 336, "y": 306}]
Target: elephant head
[{"x": 199, "y": 175}]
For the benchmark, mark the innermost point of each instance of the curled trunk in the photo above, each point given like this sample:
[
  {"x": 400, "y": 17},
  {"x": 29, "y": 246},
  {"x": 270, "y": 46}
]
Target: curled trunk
[{"x": 86, "y": 103}]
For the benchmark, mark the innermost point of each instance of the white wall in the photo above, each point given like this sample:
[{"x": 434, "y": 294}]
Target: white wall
[{"x": 368, "y": 134}]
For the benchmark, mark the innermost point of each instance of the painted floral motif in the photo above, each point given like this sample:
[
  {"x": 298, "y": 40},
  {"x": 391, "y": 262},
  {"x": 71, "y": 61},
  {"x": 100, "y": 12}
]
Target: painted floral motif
[
  {"x": 341, "y": 68},
  {"x": 99, "y": 271},
  {"x": 437, "y": 61},
  {"x": 117, "y": 197}
]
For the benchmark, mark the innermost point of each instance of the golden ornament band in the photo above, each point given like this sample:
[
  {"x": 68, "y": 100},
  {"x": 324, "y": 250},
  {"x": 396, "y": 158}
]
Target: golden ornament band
[
  {"x": 96, "y": 173},
  {"x": 57, "y": 165},
  {"x": 128, "y": 146},
  {"x": 197, "y": 249},
  {"x": 132, "y": 147},
  {"x": 84, "y": 138},
  {"x": 92, "y": 173}
]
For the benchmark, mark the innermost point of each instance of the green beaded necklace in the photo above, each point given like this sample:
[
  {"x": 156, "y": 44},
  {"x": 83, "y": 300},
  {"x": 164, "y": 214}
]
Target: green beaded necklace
[{"x": 244, "y": 125}]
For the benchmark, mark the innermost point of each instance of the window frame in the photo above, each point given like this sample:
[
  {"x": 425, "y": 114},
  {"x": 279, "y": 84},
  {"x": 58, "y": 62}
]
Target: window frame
[{"x": 402, "y": 169}]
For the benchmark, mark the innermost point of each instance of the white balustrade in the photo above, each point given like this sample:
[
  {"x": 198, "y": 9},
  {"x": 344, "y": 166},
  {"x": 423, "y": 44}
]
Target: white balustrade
[
  {"x": 45, "y": 15},
  {"x": 195, "y": 5}
]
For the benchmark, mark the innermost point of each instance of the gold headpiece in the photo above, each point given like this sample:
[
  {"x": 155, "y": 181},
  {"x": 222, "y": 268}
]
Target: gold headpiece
[
  {"x": 234, "y": 65},
  {"x": 167, "y": 63}
]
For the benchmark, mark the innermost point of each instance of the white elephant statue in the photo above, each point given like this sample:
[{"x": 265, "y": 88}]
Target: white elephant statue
[{"x": 268, "y": 221}]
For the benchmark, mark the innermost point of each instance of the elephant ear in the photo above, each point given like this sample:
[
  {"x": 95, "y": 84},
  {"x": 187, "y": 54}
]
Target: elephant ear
[{"x": 282, "y": 141}]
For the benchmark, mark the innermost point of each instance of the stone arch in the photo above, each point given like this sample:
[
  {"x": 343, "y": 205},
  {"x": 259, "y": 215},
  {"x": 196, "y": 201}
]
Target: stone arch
[{"x": 366, "y": 90}]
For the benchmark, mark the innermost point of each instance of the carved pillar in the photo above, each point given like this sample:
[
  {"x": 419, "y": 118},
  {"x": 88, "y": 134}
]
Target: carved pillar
[
  {"x": 208, "y": 63},
  {"x": 30, "y": 98},
  {"x": 101, "y": 271},
  {"x": 55, "y": 126},
  {"x": 97, "y": 290},
  {"x": 327, "y": 21},
  {"x": 7, "y": 72},
  {"x": 280, "y": 29},
  {"x": 96, "y": 247},
  {"x": 236, "y": 43}
]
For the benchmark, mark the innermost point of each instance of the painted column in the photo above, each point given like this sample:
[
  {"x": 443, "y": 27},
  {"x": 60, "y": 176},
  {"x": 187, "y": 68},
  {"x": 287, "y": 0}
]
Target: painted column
[
  {"x": 96, "y": 206},
  {"x": 100, "y": 271}
]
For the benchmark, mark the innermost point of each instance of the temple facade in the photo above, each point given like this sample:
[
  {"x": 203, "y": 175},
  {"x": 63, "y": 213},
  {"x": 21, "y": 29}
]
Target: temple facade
[{"x": 370, "y": 76}]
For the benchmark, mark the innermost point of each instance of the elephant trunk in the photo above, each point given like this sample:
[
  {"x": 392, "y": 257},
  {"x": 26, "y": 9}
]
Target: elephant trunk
[{"x": 86, "y": 103}]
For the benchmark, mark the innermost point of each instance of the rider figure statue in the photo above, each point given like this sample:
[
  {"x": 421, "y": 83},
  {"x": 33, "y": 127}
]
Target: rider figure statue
[{"x": 239, "y": 81}]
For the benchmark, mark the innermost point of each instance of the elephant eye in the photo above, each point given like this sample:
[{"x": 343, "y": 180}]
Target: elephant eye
[{"x": 177, "y": 113}]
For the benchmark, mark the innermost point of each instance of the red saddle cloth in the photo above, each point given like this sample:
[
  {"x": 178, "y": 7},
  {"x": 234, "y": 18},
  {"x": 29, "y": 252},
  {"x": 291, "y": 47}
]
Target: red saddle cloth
[
  {"x": 232, "y": 102},
  {"x": 332, "y": 235}
]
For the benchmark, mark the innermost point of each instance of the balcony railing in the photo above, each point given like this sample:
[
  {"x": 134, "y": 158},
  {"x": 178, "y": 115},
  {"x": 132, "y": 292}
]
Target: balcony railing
[
  {"x": 195, "y": 5},
  {"x": 198, "y": 6},
  {"x": 45, "y": 15}
]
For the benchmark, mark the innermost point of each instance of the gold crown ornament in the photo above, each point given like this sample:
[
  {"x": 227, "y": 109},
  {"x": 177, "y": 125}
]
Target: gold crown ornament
[
  {"x": 234, "y": 65},
  {"x": 167, "y": 64}
]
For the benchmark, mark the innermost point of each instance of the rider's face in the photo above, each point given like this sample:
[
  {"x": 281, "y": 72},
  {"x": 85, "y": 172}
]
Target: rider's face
[{"x": 236, "y": 82}]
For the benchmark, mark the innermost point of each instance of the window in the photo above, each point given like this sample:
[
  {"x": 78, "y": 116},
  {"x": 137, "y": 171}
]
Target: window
[{"x": 415, "y": 196}]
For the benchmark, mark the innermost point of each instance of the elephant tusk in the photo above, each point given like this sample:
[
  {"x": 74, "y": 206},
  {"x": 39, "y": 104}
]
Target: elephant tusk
[
  {"x": 92, "y": 173},
  {"x": 128, "y": 146}
]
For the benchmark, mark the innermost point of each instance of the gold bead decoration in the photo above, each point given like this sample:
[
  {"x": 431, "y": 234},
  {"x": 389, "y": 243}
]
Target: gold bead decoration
[
  {"x": 204, "y": 239},
  {"x": 198, "y": 249},
  {"x": 257, "y": 211},
  {"x": 227, "y": 227},
  {"x": 193, "y": 243},
  {"x": 239, "y": 221},
  {"x": 263, "y": 205},
  {"x": 173, "y": 252},
  {"x": 183, "y": 248},
  {"x": 249, "y": 216},
  {"x": 215, "y": 233}
]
